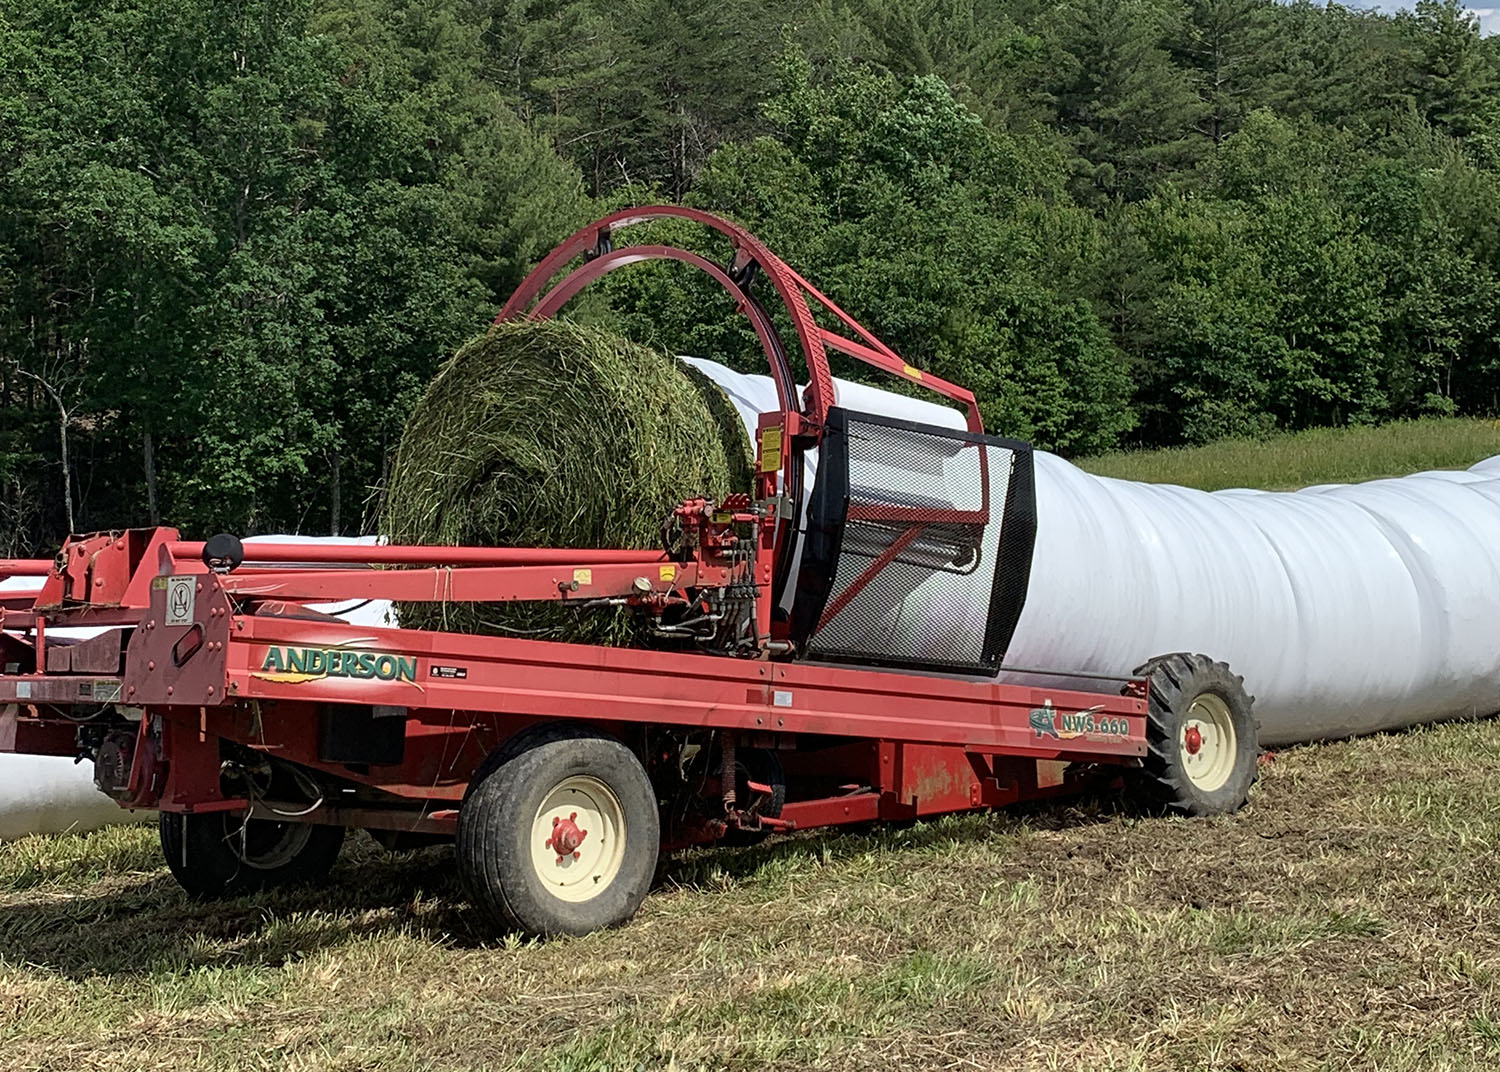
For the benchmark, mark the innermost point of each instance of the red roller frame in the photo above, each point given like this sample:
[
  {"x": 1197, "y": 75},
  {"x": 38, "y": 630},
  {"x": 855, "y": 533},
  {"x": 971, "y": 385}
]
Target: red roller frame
[
  {"x": 543, "y": 294},
  {"x": 917, "y": 744},
  {"x": 538, "y": 297}
]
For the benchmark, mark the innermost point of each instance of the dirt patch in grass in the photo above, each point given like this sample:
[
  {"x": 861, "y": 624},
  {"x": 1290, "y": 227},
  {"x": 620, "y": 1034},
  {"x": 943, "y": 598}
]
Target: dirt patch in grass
[{"x": 1346, "y": 920}]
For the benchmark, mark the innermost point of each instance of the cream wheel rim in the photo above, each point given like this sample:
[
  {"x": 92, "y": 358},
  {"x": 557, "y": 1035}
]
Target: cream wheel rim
[
  {"x": 1207, "y": 742},
  {"x": 578, "y": 838}
]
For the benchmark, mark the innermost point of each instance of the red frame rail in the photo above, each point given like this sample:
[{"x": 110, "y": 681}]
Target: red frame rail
[{"x": 911, "y": 744}]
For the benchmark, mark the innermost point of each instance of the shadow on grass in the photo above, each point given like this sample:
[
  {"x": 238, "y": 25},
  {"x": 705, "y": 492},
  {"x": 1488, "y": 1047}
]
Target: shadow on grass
[
  {"x": 705, "y": 869},
  {"x": 149, "y": 925},
  {"x": 146, "y": 925}
]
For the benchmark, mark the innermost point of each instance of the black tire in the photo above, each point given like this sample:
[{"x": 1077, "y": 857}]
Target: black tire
[
  {"x": 515, "y": 744},
  {"x": 1176, "y": 683},
  {"x": 220, "y": 854},
  {"x": 756, "y": 765},
  {"x": 495, "y": 831}
]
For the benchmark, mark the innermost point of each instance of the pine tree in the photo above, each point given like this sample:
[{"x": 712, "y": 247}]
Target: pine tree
[{"x": 1129, "y": 111}]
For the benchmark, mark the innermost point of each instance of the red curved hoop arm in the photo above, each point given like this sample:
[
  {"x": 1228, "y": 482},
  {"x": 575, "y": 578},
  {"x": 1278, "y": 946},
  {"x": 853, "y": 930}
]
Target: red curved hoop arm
[
  {"x": 600, "y": 266},
  {"x": 793, "y": 290}
]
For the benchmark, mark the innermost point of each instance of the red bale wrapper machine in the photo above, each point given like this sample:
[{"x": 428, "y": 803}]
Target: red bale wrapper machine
[{"x": 263, "y": 729}]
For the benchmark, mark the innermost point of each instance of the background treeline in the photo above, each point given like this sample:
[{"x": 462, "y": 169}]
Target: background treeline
[{"x": 237, "y": 239}]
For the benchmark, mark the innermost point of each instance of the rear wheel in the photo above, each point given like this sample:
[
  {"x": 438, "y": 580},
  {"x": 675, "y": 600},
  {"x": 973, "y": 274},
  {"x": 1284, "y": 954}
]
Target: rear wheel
[
  {"x": 562, "y": 837},
  {"x": 221, "y": 854},
  {"x": 1201, "y": 736}
]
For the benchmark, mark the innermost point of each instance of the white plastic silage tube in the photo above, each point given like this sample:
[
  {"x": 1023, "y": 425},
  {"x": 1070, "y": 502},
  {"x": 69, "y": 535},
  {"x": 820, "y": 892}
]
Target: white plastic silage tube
[{"x": 1347, "y": 608}]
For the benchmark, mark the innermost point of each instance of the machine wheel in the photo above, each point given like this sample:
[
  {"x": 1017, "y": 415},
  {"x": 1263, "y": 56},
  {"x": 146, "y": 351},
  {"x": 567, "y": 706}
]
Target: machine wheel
[
  {"x": 221, "y": 854},
  {"x": 515, "y": 744},
  {"x": 756, "y": 765},
  {"x": 1201, "y": 736},
  {"x": 562, "y": 837}
]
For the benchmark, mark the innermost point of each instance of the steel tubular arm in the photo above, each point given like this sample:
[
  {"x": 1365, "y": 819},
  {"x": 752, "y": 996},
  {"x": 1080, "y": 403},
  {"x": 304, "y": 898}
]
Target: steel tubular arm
[
  {"x": 597, "y": 235},
  {"x": 600, "y": 266},
  {"x": 538, "y": 298},
  {"x": 409, "y": 555}
]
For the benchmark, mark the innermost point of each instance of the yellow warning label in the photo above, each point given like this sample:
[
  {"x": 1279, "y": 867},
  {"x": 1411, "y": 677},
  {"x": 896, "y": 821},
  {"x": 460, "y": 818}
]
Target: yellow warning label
[
  {"x": 914, "y": 373},
  {"x": 583, "y": 576},
  {"x": 669, "y": 573},
  {"x": 770, "y": 449}
]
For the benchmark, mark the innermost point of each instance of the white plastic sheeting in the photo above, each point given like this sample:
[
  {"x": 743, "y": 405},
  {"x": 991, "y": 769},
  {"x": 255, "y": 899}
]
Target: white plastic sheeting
[
  {"x": 46, "y": 794},
  {"x": 1347, "y": 608},
  {"x": 49, "y": 794},
  {"x": 376, "y": 612}
]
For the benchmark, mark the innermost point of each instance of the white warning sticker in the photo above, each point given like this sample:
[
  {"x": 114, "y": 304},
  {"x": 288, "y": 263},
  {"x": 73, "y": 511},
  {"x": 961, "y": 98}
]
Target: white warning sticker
[{"x": 182, "y": 595}]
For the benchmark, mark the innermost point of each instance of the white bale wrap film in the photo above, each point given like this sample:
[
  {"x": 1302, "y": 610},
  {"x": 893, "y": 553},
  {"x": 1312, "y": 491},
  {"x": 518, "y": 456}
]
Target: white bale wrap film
[
  {"x": 376, "y": 612},
  {"x": 50, "y": 794},
  {"x": 1348, "y": 609}
]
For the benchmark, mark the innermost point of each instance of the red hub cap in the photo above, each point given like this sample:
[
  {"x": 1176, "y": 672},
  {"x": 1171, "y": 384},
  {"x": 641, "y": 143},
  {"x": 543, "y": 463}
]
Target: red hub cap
[
  {"x": 1193, "y": 740},
  {"x": 566, "y": 837}
]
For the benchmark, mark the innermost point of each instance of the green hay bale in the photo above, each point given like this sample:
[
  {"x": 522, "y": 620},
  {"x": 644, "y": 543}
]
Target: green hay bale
[{"x": 550, "y": 434}]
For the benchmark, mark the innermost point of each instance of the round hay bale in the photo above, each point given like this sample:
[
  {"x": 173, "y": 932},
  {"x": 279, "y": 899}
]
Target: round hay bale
[{"x": 551, "y": 434}]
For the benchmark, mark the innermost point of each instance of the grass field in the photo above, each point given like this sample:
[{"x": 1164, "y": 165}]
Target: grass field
[
  {"x": 1321, "y": 456},
  {"x": 1347, "y": 919}
]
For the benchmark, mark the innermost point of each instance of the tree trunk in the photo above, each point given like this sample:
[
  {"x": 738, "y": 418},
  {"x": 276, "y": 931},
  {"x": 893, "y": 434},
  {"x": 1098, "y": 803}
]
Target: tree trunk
[
  {"x": 67, "y": 465},
  {"x": 335, "y": 490},
  {"x": 148, "y": 459},
  {"x": 62, "y": 435}
]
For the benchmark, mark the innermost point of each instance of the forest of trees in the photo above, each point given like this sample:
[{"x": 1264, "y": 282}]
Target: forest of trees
[{"x": 236, "y": 240}]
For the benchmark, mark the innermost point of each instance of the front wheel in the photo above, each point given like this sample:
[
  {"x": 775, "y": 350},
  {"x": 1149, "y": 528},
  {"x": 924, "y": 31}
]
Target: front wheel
[
  {"x": 561, "y": 837},
  {"x": 1201, "y": 734},
  {"x": 221, "y": 854}
]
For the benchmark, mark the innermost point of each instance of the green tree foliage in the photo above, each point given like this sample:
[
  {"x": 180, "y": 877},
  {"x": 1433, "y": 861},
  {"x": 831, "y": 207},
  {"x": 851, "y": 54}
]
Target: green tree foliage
[
  {"x": 1453, "y": 81},
  {"x": 236, "y": 239},
  {"x": 1130, "y": 112},
  {"x": 238, "y": 236},
  {"x": 1265, "y": 310},
  {"x": 945, "y": 238}
]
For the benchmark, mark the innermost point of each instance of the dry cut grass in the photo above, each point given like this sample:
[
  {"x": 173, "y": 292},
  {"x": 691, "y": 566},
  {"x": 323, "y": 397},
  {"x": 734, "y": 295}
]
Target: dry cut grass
[{"x": 1346, "y": 920}]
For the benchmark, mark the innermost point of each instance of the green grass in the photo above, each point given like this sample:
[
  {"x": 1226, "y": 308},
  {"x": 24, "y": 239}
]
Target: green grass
[
  {"x": 1319, "y": 456},
  {"x": 1342, "y": 921}
]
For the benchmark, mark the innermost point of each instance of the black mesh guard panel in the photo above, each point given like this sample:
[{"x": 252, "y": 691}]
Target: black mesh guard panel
[{"x": 918, "y": 546}]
